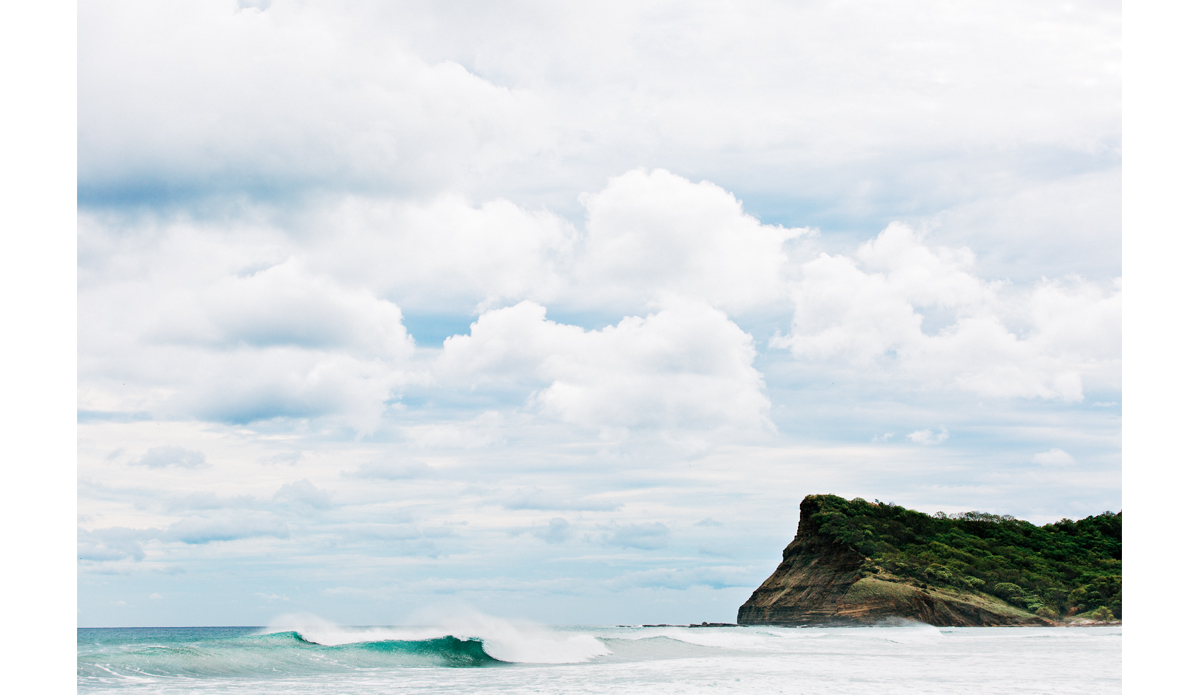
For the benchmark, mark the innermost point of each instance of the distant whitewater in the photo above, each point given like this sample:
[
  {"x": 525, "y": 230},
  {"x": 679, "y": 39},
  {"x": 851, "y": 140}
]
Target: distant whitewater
[{"x": 488, "y": 655}]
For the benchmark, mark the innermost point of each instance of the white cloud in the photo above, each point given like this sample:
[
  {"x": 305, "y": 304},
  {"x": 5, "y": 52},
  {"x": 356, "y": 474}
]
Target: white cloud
[
  {"x": 483, "y": 430},
  {"x": 289, "y": 458},
  {"x": 112, "y": 544},
  {"x": 273, "y": 199},
  {"x": 1054, "y": 457},
  {"x": 391, "y": 470},
  {"x": 536, "y": 498},
  {"x": 718, "y": 577},
  {"x": 303, "y": 493},
  {"x": 172, "y": 457},
  {"x": 445, "y": 254},
  {"x": 928, "y": 437},
  {"x": 557, "y": 530},
  {"x": 686, "y": 367},
  {"x": 284, "y": 306},
  {"x": 192, "y": 98},
  {"x": 872, "y": 311},
  {"x": 781, "y": 97},
  {"x": 175, "y": 326},
  {"x": 197, "y": 530},
  {"x": 647, "y": 536},
  {"x": 654, "y": 235}
]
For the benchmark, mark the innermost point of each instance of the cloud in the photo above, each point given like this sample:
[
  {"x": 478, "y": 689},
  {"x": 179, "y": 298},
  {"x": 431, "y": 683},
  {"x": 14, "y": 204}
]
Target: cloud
[
  {"x": 536, "y": 498},
  {"x": 687, "y": 366},
  {"x": 719, "y": 577},
  {"x": 445, "y": 255},
  {"x": 717, "y": 253},
  {"x": 246, "y": 386},
  {"x": 1054, "y": 457},
  {"x": 203, "y": 501},
  {"x": 289, "y": 458},
  {"x": 276, "y": 196},
  {"x": 651, "y": 536},
  {"x": 484, "y": 430},
  {"x": 198, "y": 530},
  {"x": 304, "y": 493},
  {"x": 112, "y": 544},
  {"x": 928, "y": 437},
  {"x": 879, "y": 313},
  {"x": 407, "y": 98},
  {"x": 170, "y": 110},
  {"x": 120, "y": 543},
  {"x": 194, "y": 334},
  {"x": 172, "y": 457},
  {"x": 391, "y": 470},
  {"x": 557, "y": 530},
  {"x": 285, "y": 305}
]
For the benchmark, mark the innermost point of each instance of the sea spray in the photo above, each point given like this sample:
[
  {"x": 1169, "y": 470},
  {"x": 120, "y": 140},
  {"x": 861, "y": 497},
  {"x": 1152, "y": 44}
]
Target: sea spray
[
  {"x": 463, "y": 654},
  {"x": 511, "y": 641}
]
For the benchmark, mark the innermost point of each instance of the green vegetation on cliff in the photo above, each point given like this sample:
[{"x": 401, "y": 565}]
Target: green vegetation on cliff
[{"x": 1060, "y": 569}]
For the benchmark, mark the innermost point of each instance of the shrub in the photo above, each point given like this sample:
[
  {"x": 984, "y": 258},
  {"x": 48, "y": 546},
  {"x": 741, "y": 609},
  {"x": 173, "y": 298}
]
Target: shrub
[
  {"x": 1007, "y": 591},
  {"x": 1066, "y": 565},
  {"x": 1047, "y": 612}
]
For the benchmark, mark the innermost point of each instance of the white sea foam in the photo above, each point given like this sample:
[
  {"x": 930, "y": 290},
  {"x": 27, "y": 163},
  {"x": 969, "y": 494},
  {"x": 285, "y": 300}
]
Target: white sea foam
[
  {"x": 514, "y": 641},
  {"x": 910, "y": 659}
]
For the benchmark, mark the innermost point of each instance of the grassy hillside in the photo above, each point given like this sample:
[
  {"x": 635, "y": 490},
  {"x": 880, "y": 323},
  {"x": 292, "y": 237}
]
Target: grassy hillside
[{"x": 1057, "y": 570}]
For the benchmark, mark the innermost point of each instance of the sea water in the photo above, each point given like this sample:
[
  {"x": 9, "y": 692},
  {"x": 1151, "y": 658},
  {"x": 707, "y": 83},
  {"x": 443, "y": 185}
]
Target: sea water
[{"x": 496, "y": 656}]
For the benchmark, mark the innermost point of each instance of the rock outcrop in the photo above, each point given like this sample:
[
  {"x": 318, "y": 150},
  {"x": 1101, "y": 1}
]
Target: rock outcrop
[{"x": 822, "y": 582}]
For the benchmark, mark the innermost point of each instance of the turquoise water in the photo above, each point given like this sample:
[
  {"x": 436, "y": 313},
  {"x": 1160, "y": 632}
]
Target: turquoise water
[{"x": 495, "y": 656}]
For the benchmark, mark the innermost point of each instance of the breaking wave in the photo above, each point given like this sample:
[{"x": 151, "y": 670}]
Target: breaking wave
[{"x": 298, "y": 645}]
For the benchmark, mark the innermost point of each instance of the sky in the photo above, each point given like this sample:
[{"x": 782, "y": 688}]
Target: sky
[{"x": 557, "y": 311}]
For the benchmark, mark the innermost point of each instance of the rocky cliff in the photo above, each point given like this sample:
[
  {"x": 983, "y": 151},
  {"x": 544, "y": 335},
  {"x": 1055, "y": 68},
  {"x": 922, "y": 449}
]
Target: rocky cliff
[{"x": 823, "y": 580}]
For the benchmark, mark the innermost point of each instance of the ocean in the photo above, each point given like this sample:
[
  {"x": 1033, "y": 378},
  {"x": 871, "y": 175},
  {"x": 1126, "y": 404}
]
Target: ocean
[{"x": 489, "y": 655}]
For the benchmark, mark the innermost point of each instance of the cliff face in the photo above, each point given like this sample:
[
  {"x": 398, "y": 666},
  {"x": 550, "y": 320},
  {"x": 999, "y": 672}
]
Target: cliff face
[{"x": 821, "y": 582}]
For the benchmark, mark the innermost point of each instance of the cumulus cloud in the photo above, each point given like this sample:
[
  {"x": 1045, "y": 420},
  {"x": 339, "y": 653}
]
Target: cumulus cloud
[
  {"x": 274, "y": 195},
  {"x": 303, "y": 493},
  {"x": 654, "y": 235},
  {"x": 183, "y": 99},
  {"x": 285, "y": 305},
  {"x": 172, "y": 457},
  {"x": 1054, "y": 457},
  {"x": 445, "y": 255},
  {"x": 871, "y": 311},
  {"x": 192, "y": 334},
  {"x": 928, "y": 437},
  {"x": 687, "y": 366}
]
